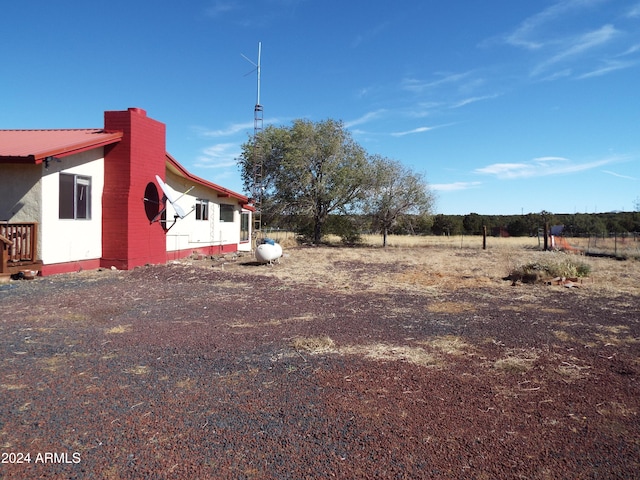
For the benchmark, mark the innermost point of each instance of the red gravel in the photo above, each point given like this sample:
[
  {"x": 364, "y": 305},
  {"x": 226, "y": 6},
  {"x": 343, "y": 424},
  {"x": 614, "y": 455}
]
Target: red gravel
[{"x": 171, "y": 372}]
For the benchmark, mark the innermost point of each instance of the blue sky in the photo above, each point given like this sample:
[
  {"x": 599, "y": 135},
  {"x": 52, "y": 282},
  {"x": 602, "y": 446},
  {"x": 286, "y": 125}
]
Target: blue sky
[{"x": 505, "y": 106}]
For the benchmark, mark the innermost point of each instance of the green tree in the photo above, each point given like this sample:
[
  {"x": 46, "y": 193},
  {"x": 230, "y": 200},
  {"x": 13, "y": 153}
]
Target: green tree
[
  {"x": 518, "y": 227},
  {"x": 447, "y": 225},
  {"x": 310, "y": 170},
  {"x": 473, "y": 223},
  {"x": 395, "y": 191}
]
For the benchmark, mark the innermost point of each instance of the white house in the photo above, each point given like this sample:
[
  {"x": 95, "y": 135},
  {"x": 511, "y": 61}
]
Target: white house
[{"x": 89, "y": 198}]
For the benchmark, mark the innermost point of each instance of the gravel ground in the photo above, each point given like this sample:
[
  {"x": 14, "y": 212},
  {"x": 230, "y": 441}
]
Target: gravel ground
[{"x": 204, "y": 371}]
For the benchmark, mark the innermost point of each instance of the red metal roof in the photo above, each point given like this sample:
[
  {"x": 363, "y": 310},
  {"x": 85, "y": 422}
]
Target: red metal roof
[
  {"x": 173, "y": 164},
  {"x": 33, "y": 146}
]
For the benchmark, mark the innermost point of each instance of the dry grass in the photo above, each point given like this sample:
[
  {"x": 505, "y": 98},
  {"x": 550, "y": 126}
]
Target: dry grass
[
  {"x": 12, "y": 386},
  {"x": 313, "y": 344},
  {"x": 512, "y": 365},
  {"x": 517, "y": 361},
  {"x": 450, "y": 345},
  {"x": 273, "y": 323},
  {"x": 391, "y": 353},
  {"x": 628, "y": 247},
  {"x": 118, "y": 329},
  {"x": 54, "y": 362},
  {"x": 138, "y": 370},
  {"x": 431, "y": 268},
  {"x": 374, "y": 351},
  {"x": 288, "y": 239},
  {"x": 451, "y": 307},
  {"x": 570, "y": 369}
]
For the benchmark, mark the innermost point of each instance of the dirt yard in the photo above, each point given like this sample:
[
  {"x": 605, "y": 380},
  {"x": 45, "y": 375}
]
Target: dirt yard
[{"x": 335, "y": 363}]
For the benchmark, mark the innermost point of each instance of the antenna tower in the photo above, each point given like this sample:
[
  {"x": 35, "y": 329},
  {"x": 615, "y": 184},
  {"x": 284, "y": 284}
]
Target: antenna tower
[{"x": 258, "y": 155}]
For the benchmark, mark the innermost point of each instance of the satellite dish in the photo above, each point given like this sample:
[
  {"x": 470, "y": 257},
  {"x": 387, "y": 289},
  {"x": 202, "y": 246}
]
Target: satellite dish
[
  {"x": 168, "y": 191},
  {"x": 172, "y": 197}
]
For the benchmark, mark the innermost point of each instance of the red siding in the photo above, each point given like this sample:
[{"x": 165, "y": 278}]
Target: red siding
[
  {"x": 129, "y": 240},
  {"x": 69, "y": 267},
  {"x": 211, "y": 250}
]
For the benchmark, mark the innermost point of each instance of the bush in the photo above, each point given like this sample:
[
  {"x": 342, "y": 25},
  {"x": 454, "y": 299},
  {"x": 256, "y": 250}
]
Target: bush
[
  {"x": 345, "y": 227},
  {"x": 550, "y": 267}
]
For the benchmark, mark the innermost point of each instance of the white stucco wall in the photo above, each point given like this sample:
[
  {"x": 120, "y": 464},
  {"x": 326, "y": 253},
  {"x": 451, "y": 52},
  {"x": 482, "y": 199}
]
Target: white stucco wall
[
  {"x": 20, "y": 193},
  {"x": 189, "y": 233},
  {"x": 66, "y": 240}
]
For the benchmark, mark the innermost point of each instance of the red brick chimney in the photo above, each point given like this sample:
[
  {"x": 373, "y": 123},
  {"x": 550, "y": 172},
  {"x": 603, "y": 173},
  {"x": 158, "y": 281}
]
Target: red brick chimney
[{"x": 128, "y": 238}]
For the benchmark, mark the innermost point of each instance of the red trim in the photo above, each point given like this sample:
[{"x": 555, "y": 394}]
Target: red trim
[
  {"x": 80, "y": 141},
  {"x": 69, "y": 267},
  {"x": 61, "y": 153},
  {"x": 211, "y": 250},
  {"x": 222, "y": 192}
]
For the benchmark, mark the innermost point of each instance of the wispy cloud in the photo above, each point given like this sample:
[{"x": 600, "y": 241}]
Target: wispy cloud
[
  {"x": 418, "y": 86},
  {"x": 367, "y": 117},
  {"x": 454, "y": 187},
  {"x": 577, "y": 46},
  {"x": 369, "y": 34},
  {"x": 553, "y": 34},
  {"x": 630, "y": 51},
  {"x": 532, "y": 33},
  {"x": 470, "y": 100},
  {"x": 610, "y": 66},
  {"x": 221, "y": 155},
  {"x": 542, "y": 166},
  {"x": 634, "y": 11},
  {"x": 609, "y": 172},
  {"x": 232, "y": 129},
  {"x": 419, "y": 130},
  {"x": 410, "y": 132},
  {"x": 567, "y": 72},
  {"x": 220, "y": 7}
]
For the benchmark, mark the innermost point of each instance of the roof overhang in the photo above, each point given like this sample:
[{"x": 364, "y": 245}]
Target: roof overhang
[
  {"x": 221, "y": 192},
  {"x": 35, "y": 146}
]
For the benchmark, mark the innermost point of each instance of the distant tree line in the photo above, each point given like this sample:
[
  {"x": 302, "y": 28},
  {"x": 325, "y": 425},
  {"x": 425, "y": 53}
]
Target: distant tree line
[
  {"x": 350, "y": 227},
  {"x": 576, "y": 224}
]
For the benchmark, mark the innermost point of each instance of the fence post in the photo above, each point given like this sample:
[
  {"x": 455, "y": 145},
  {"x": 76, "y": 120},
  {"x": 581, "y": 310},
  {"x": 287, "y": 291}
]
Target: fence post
[
  {"x": 4, "y": 254},
  {"x": 484, "y": 237},
  {"x": 546, "y": 236}
]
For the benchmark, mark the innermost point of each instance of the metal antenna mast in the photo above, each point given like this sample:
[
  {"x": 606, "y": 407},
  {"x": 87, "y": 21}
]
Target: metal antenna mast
[{"x": 258, "y": 157}]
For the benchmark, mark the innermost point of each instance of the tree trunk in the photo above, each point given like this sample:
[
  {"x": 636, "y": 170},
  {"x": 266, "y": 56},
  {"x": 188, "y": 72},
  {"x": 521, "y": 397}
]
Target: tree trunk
[
  {"x": 384, "y": 236},
  {"x": 317, "y": 231}
]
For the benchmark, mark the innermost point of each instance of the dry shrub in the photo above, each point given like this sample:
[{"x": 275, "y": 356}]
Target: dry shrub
[
  {"x": 512, "y": 365},
  {"x": 565, "y": 336},
  {"x": 313, "y": 344},
  {"x": 12, "y": 386},
  {"x": 450, "y": 344},
  {"x": 138, "y": 370},
  {"x": 118, "y": 329},
  {"x": 570, "y": 369},
  {"x": 517, "y": 361},
  {"x": 549, "y": 265}
]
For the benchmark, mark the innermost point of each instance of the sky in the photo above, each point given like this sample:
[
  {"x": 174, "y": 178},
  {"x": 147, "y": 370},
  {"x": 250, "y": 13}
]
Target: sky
[{"x": 506, "y": 107}]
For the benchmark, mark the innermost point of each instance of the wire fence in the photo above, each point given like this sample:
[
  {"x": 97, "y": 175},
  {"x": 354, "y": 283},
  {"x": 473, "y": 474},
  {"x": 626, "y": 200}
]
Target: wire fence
[{"x": 610, "y": 244}]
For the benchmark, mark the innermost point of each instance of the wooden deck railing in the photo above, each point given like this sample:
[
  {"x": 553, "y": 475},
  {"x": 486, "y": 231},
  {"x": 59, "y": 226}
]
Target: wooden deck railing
[{"x": 18, "y": 244}]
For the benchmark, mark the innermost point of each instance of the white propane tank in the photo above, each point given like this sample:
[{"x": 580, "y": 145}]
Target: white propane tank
[{"x": 268, "y": 252}]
